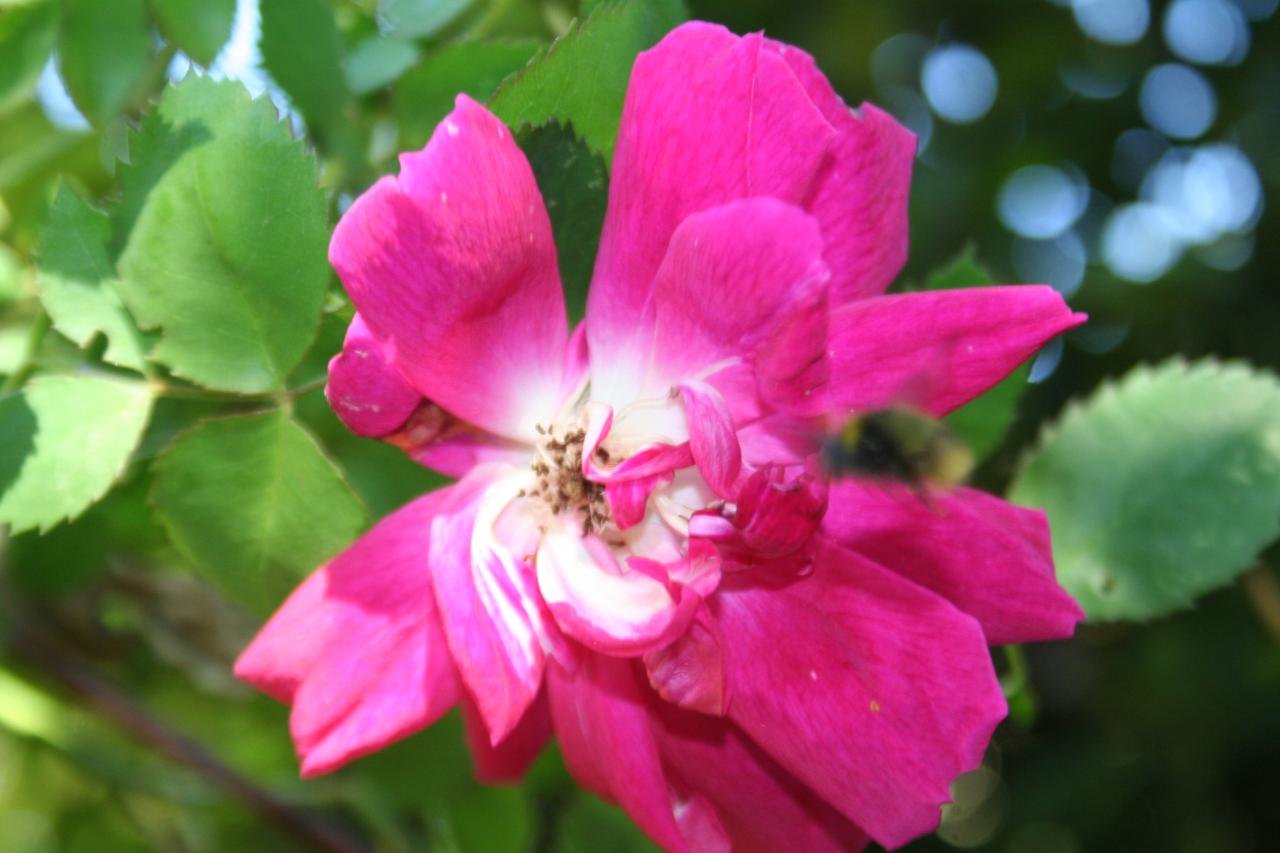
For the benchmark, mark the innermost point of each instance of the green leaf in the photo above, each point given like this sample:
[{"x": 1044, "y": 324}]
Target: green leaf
[
  {"x": 66, "y": 440},
  {"x": 425, "y": 94},
  {"x": 198, "y": 27},
  {"x": 383, "y": 475},
  {"x": 492, "y": 819},
  {"x": 302, "y": 51},
  {"x": 1161, "y": 487},
  {"x": 587, "y": 820},
  {"x": 227, "y": 255},
  {"x": 418, "y": 18},
  {"x": 960, "y": 272},
  {"x": 254, "y": 503},
  {"x": 103, "y": 53},
  {"x": 27, "y": 34},
  {"x": 11, "y": 276},
  {"x": 601, "y": 51},
  {"x": 982, "y": 423},
  {"x": 575, "y": 186},
  {"x": 75, "y": 280},
  {"x": 377, "y": 61}
]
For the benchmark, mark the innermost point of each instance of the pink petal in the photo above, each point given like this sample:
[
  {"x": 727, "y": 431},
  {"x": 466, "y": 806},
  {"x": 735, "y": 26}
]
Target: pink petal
[
  {"x": 510, "y": 759},
  {"x": 880, "y": 696},
  {"x": 628, "y": 499},
  {"x": 987, "y": 557},
  {"x": 648, "y": 462},
  {"x": 577, "y": 363},
  {"x": 357, "y": 649},
  {"x": 760, "y": 806},
  {"x": 781, "y": 440},
  {"x": 729, "y": 274},
  {"x": 939, "y": 349},
  {"x": 711, "y": 437},
  {"x": 436, "y": 439},
  {"x": 689, "y": 672},
  {"x": 709, "y": 118},
  {"x": 791, "y": 365},
  {"x": 861, "y": 196},
  {"x": 777, "y": 516},
  {"x": 603, "y": 728},
  {"x": 369, "y": 395},
  {"x": 482, "y": 590},
  {"x": 453, "y": 268},
  {"x": 608, "y": 608},
  {"x": 651, "y": 461},
  {"x": 701, "y": 826}
]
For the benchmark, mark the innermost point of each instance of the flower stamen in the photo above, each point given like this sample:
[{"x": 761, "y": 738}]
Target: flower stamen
[{"x": 560, "y": 484}]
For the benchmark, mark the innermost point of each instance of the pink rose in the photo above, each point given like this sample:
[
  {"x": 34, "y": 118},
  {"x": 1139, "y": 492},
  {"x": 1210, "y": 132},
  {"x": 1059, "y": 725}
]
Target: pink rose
[{"x": 640, "y": 555}]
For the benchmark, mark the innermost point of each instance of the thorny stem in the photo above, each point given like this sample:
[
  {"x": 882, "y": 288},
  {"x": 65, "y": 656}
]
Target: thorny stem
[
  {"x": 1263, "y": 591},
  {"x": 35, "y": 337},
  {"x": 46, "y": 659},
  {"x": 165, "y": 389},
  {"x": 1016, "y": 678},
  {"x": 97, "y": 696}
]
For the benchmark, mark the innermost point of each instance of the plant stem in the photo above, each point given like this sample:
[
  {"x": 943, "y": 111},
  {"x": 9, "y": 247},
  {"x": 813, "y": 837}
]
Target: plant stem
[
  {"x": 1016, "y": 678},
  {"x": 165, "y": 389},
  {"x": 306, "y": 388},
  {"x": 1263, "y": 591},
  {"x": 35, "y": 337},
  {"x": 46, "y": 660}
]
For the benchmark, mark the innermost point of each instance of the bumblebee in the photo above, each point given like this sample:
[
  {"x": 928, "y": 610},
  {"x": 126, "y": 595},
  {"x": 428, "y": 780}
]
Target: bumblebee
[{"x": 898, "y": 444}]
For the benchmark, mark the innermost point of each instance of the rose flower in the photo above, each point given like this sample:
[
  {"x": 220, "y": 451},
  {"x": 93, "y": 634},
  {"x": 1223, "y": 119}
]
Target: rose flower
[{"x": 640, "y": 554}]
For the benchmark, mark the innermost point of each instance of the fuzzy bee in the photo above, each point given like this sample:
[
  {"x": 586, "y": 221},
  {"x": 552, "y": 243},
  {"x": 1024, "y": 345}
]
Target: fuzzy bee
[{"x": 898, "y": 444}]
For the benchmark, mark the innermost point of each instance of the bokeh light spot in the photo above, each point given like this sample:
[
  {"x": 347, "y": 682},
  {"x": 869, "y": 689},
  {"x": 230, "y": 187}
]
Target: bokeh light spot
[
  {"x": 959, "y": 82},
  {"x": 1178, "y": 101},
  {"x": 1138, "y": 244},
  {"x": 896, "y": 61},
  {"x": 55, "y": 101},
  {"x": 1047, "y": 361},
  {"x": 1113, "y": 21},
  {"x": 1258, "y": 10},
  {"x": 1210, "y": 32},
  {"x": 1206, "y": 192},
  {"x": 906, "y": 105},
  {"x": 1059, "y": 262},
  {"x": 1041, "y": 201}
]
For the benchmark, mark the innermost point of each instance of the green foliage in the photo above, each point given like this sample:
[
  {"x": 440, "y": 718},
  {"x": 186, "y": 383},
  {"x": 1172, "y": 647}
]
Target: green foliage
[
  {"x": 982, "y": 423},
  {"x": 11, "y": 275},
  {"x": 191, "y": 211},
  {"x": 960, "y": 272},
  {"x": 419, "y": 18},
  {"x": 75, "y": 280},
  {"x": 27, "y": 34},
  {"x": 66, "y": 440},
  {"x": 426, "y": 93},
  {"x": 254, "y": 502},
  {"x": 302, "y": 50},
  {"x": 227, "y": 256},
  {"x": 377, "y": 61},
  {"x": 199, "y": 27},
  {"x": 602, "y": 50},
  {"x": 1161, "y": 487},
  {"x": 383, "y": 475},
  {"x": 587, "y": 820},
  {"x": 493, "y": 820},
  {"x": 574, "y": 184},
  {"x": 103, "y": 53}
]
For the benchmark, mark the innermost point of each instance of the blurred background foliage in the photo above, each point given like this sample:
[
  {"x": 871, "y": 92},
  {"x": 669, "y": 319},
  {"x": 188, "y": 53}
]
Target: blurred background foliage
[{"x": 1122, "y": 150}]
